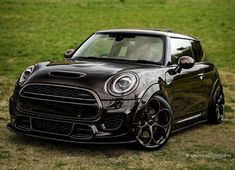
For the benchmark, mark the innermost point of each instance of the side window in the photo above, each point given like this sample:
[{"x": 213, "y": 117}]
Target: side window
[
  {"x": 197, "y": 51},
  {"x": 179, "y": 48}
]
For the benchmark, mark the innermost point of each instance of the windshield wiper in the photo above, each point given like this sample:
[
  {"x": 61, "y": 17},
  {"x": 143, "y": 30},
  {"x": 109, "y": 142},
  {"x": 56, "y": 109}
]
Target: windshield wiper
[
  {"x": 118, "y": 59},
  {"x": 147, "y": 62},
  {"x": 89, "y": 57}
]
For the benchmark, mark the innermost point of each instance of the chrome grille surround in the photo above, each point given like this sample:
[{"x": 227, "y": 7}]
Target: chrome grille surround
[{"x": 91, "y": 99}]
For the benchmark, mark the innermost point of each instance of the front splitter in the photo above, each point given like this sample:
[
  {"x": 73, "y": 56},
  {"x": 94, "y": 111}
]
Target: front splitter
[{"x": 62, "y": 138}]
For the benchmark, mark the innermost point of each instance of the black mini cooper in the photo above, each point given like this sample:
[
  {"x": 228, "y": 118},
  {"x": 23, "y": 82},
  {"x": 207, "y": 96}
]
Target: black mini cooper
[{"x": 119, "y": 86}]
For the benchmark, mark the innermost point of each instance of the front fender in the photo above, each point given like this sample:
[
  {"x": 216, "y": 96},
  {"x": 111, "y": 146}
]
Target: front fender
[{"x": 154, "y": 89}]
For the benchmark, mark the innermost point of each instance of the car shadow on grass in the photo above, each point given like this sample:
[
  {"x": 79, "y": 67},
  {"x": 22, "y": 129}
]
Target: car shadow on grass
[
  {"x": 109, "y": 150},
  {"x": 72, "y": 149}
]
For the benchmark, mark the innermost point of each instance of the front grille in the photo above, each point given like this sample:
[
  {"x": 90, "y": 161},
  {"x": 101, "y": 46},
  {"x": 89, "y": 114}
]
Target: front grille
[
  {"x": 57, "y": 91},
  {"x": 113, "y": 121},
  {"x": 75, "y": 131},
  {"x": 55, "y": 127},
  {"x": 59, "y": 101}
]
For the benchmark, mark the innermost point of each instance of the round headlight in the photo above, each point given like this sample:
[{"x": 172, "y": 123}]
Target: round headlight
[
  {"x": 123, "y": 83},
  {"x": 26, "y": 73}
]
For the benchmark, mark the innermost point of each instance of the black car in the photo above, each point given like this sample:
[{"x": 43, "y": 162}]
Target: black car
[{"x": 119, "y": 86}]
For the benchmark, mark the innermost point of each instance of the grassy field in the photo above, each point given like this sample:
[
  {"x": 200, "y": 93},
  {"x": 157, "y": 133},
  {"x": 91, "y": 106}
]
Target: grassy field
[{"x": 41, "y": 30}]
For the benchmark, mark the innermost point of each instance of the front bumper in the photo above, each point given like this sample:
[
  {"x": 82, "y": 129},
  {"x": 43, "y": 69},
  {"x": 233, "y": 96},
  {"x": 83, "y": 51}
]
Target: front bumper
[{"x": 75, "y": 130}]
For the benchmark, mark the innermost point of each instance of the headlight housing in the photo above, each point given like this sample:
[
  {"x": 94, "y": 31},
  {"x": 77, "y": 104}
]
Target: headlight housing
[
  {"x": 123, "y": 84},
  {"x": 26, "y": 73}
]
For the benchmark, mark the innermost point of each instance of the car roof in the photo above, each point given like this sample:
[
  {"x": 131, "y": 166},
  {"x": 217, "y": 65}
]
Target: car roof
[{"x": 167, "y": 33}]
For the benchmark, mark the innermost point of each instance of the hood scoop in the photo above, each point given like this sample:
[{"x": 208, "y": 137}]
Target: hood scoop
[{"x": 67, "y": 74}]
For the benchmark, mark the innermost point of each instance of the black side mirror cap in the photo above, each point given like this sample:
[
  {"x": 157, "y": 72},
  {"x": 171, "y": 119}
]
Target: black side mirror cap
[
  {"x": 185, "y": 62},
  {"x": 68, "y": 53}
]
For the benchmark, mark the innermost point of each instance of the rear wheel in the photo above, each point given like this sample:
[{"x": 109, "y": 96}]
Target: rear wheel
[
  {"x": 154, "y": 128},
  {"x": 216, "y": 110}
]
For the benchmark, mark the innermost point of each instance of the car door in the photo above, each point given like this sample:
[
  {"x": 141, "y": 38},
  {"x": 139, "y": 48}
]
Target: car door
[{"x": 188, "y": 86}]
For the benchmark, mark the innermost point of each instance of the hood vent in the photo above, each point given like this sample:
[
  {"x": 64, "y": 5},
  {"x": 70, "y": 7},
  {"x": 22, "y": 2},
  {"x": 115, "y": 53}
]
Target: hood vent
[{"x": 67, "y": 74}]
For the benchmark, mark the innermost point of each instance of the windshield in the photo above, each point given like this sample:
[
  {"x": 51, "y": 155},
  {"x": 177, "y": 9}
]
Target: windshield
[{"x": 122, "y": 46}]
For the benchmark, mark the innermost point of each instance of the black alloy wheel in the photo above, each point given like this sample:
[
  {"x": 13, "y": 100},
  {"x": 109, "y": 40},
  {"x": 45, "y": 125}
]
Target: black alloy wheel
[
  {"x": 216, "y": 111},
  {"x": 154, "y": 128}
]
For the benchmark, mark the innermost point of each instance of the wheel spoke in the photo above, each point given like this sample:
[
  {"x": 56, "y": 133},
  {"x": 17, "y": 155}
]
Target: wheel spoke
[
  {"x": 165, "y": 128},
  {"x": 162, "y": 110},
  {"x": 217, "y": 113},
  {"x": 142, "y": 126},
  {"x": 161, "y": 126},
  {"x": 142, "y": 134},
  {"x": 220, "y": 98},
  {"x": 160, "y": 120},
  {"x": 160, "y": 135},
  {"x": 154, "y": 132},
  {"x": 218, "y": 92},
  {"x": 221, "y": 106},
  {"x": 151, "y": 134}
]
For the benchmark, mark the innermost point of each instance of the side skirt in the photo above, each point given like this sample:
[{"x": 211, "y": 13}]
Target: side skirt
[{"x": 188, "y": 126}]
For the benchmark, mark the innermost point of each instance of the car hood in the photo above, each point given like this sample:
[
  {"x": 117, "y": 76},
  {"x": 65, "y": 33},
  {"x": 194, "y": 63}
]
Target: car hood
[{"x": 91, "y": 74}]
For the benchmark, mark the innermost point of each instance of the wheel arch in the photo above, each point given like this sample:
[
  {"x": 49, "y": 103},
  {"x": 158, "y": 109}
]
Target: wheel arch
[{"x": 154, "y": 89}]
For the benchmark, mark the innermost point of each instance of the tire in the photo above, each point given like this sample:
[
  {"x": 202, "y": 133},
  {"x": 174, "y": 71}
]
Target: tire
[
  {"x": 216, "y": 109},
  {"x": 154, "y": 128}
]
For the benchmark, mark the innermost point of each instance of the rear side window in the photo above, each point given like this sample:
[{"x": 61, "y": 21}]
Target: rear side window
[
  {"x": 179, "y": 48},
  {"x": 197, "y": 51}
]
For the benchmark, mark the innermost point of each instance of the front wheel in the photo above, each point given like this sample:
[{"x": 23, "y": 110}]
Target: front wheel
[
  {"x": 216, "y": 110},
  {"x": 154, "y": 128}
]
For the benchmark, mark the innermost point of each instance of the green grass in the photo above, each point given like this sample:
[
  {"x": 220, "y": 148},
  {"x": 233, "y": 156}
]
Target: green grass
[{"x": 41, "y": 30}]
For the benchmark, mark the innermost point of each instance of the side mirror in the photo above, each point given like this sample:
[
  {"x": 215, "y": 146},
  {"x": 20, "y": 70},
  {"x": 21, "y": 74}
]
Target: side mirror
[
  {"x": 68, "y": 53},
  {"x": 184, "y": 62}
]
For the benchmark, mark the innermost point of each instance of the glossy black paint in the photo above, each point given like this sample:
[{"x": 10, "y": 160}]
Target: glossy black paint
[{"x": 188, "y": 92}]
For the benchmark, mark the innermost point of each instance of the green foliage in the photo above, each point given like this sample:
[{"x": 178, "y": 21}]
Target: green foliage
[{"x": 32, "y": 31}]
